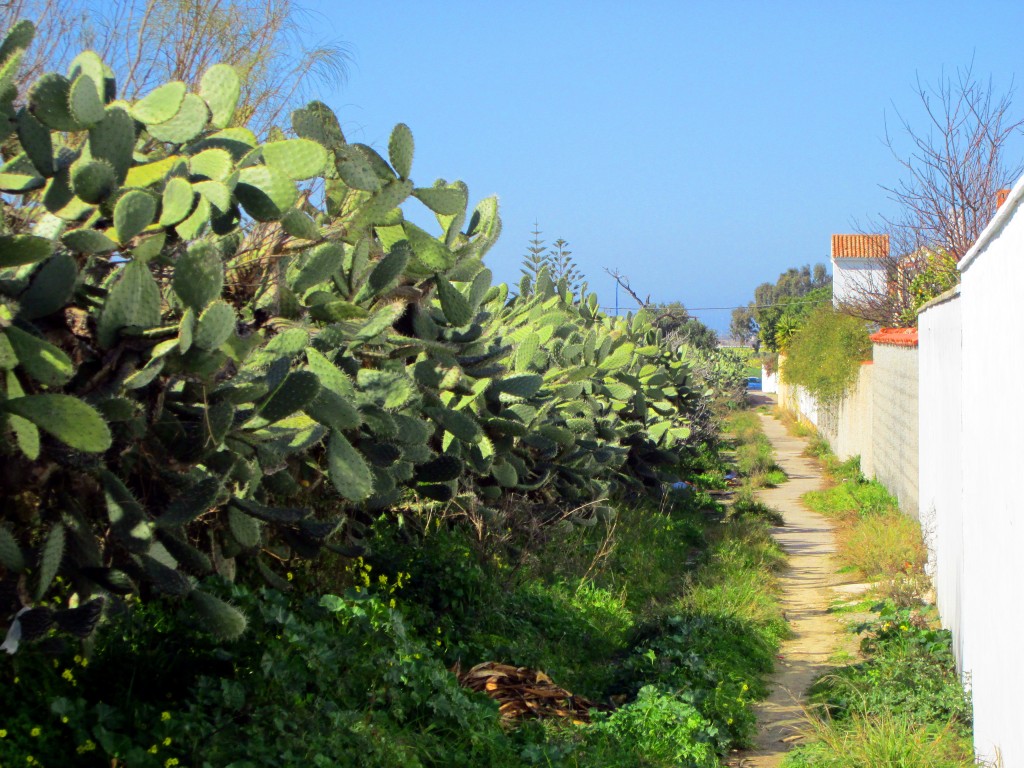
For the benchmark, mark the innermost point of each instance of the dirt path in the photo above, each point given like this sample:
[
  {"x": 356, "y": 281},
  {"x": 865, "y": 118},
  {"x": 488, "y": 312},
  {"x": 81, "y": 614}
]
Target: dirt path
[{"x": 807, "y": 590}]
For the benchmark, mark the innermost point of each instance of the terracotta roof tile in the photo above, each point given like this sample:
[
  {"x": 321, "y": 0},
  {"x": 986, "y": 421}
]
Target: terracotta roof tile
[
  {"x": 899, "y": 337},
  {"x": 860, "y": 246}
]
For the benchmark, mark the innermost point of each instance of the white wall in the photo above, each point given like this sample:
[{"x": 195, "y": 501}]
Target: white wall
[
  {"x": 993, "y": 498},
  {"x": 940, "y": 468},
  {"x": 769, "y": 381},
  {"x": 853, "y": 278}
]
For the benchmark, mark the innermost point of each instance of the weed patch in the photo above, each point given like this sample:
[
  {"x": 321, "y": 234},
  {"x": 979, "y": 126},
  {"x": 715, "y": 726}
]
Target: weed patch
[{"x": 902, "y": 705}]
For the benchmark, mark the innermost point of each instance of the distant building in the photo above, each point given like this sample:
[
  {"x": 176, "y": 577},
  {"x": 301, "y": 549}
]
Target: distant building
[{"x": 859, "y": 268}]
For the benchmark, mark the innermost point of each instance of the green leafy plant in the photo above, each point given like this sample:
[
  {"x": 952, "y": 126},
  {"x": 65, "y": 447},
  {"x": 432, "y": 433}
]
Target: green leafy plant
[
  {"x": 825, "y": 354},
  {"x": 205, "y": 372}
]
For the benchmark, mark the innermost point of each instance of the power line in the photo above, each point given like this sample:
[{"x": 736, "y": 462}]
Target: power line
[{"x": 752, "y": 306}]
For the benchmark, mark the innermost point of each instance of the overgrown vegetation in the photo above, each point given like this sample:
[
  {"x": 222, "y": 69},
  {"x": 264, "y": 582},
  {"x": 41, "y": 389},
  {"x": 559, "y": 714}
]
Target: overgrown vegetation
[
  {"x": 666, "y": 616},
  {"x": 902, "y": 704},
  {"x": 874, "y": 536},
  {"x": 207, "y": 372},
  {"x": 279, "y": 462},
  {"x": 825, "y": 353},
  {"x": 779, "y": 308}
]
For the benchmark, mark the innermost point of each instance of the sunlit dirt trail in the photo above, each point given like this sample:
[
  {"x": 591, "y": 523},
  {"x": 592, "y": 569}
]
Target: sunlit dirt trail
[{"x": 806, "y": 585}]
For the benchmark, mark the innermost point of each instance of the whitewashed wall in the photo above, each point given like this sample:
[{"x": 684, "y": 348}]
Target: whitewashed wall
[
  {"x": 992, "y": 593},
  {"x": 851, "y": 434},
  {"x": 854, "y": 278},
  {"x": 941, "y": 458},
  {"x": 769, "y": 381}
]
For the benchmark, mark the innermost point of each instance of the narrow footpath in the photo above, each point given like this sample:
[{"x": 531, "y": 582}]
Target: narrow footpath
[{"x": 807, "y": 583}]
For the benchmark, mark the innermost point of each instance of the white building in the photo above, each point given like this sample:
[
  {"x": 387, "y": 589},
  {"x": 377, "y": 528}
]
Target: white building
[{"x": 859, "y": 268}]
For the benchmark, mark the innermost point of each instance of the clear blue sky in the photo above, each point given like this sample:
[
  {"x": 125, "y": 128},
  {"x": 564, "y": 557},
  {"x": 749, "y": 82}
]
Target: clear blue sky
[{"x": 699, "y": 147}]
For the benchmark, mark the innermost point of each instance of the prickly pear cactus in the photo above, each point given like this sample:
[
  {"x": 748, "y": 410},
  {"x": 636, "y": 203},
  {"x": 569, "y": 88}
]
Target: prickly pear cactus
[{"x": 199, "y": 366}]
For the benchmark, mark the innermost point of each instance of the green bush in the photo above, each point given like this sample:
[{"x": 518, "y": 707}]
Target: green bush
[
  {"x": 664, "y": 728},
  {"x": 825, "y": 354}
]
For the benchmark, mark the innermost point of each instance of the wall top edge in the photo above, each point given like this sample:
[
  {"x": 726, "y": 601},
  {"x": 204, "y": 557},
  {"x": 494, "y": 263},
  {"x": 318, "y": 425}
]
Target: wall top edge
[
  {"x": 991, "y": 231},
  {"x": 897, "y": 337},
  {"x": 943, "y": 298}
]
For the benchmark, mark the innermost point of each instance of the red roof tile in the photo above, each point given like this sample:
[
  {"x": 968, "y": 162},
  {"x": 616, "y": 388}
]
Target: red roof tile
[
  {"x": 899, "y": 337},
  {"x": 860, "y": 246}
]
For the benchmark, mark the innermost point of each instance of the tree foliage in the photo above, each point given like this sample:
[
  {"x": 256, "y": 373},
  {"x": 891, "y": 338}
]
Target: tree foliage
[
  {"x": 556, "y": 261},
  {"x": 681, "y": 328},
  {"x": 824, "y": 354},
  {"x": 782, "y": 305}
]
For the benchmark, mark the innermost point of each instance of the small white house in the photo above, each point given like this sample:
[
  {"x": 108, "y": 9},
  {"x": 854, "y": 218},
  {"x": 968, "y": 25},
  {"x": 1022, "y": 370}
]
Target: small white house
[{"x": 859, "y": 268}]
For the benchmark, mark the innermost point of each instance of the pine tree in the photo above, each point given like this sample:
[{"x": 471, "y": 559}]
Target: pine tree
[
  {"x": 536, "y": 258},
  {"x": 562, "y": 265}
]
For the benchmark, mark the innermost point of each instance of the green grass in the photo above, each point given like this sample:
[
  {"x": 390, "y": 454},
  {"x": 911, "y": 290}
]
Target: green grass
[
  {"x": 753, "y": 455},
  {"x": 901, "y": 704}
]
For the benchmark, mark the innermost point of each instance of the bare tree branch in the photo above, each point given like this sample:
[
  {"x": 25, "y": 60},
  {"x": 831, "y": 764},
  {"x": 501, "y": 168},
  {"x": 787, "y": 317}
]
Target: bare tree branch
[
  {"x": 623, "y": 281},
  {"x": 149, "y": 42},
  {"x": 952, "y": 168}
]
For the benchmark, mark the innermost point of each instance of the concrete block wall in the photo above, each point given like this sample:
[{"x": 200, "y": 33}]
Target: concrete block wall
[{"x": 894, "y": 421}]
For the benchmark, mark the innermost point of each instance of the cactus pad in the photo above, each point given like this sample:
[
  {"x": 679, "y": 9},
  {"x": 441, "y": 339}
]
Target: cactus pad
[
  {"x": 184, "y": 126},
  {"x": 42, "y": 361},
  {"x": 220, "y": 87},
  {"x": 297, "y": 390},
  {"x": 348, "y": 470},
  {"x": 178, "y": 198},
  {"x": 85, "y": 101},
  {"x": 199, "y": 276},
  {"x": 11, "y": 556},
  {"x": 88, "y": 241},
  {"x": 48, "y": 100},
  {"x": 220, "y": 619},
  {"x": 296, "y": 158},
  {"x": 265, "y": 192},
  {"x": 67, "y": 418},
  {"x": 113, "y": 139},
  {"x": 134, "y": 301},
  {"x": 16, "y": 250},
  {"x": 160, "y": 104},
  {"x": 50, "y": 560},
  {"x": 431, "y": 254},
  {"x": 134, "y": 211},
  {"x": 36, "y": 140},
  {"x": 94, "y": 180},
  {"x": 317, "y": 121},
  {"x": 400, "y": 150},
  {"x": 300, "y": 224},
  {"x": 216, "y": 324}
]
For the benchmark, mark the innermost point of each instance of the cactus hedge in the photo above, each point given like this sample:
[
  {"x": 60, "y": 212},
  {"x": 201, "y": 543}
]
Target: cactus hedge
[{"x": 220, "y": 352}]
